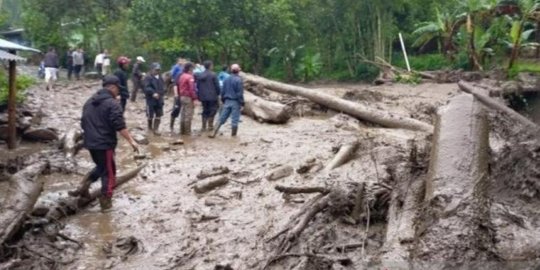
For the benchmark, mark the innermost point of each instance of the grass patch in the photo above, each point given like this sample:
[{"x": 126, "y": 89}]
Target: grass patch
[
  {"x": 423, "y": 62},
  {"x": 523, "y": 66},
  {"x": 22, "y": 83}
]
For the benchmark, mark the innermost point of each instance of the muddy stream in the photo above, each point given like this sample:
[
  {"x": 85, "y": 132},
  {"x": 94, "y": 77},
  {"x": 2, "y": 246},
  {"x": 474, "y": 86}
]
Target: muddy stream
[{"x": 176, "y": 228}]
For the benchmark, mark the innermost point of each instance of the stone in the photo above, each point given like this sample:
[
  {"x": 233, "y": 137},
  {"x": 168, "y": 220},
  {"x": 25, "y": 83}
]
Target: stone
[
  {"x": 529, "y": 82},
  {"x": 92, "y": 75},
  {"x": 141, "y": 139},
  {"x": 280, "y": 172},
  {"x": 40, "y": 134},
  {"x": 510, "y": 87}
]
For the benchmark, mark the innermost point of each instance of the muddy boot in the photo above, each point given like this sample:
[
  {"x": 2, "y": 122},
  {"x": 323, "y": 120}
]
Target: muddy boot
[
  {"x": 150, "y": 127},
  {"x": 215, "y": 132},
  {"x": 82, "y": 191},
  {"x": 157, "y": 121},
  {"x": 204, "y": 120},
  {"x": 234, "y": 131},
  {"x": 211, "y": 124},
  {"x": 105, "y": 203}
]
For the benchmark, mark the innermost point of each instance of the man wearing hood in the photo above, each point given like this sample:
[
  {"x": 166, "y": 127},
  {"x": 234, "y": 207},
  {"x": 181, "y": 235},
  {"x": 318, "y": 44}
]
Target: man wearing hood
[
  {"x": 154, "y": 89},
  {"x": 208, "y": 85},
  {"x": 101, "y": 119}
]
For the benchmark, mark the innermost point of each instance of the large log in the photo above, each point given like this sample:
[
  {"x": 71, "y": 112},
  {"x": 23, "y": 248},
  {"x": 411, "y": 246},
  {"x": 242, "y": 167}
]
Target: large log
[
  {"x": 450, "y": 230},
  {"x": 383, "y": 118},
  {"x": 344, "y": 154},
  {"x": 65, "y": 206},
  {"x": 493, "y": 104},
  {"x": 264, "y": 110},
  {"x": 23, "y": 192}
]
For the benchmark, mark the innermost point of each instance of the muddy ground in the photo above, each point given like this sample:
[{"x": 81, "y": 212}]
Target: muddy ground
[{"x": 167, "y": 225}]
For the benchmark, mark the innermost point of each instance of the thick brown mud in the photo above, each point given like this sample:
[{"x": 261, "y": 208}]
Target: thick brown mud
[{"x": 158, "y": 221}]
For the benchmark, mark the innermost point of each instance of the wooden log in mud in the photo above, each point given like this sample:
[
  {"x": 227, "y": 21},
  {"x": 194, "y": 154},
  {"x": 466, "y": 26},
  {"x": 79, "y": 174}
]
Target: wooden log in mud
[
  {"x": 71, "y": 142},
  {"x": 266, "y": 111},
  {"x": 383, "y": 118},
  {"x": 493, "y": 104},
  {"x": 23, "y": 192},
  {"x": 209, "y": 184},
  {"x": 450, "y": 229},
  {"x": 344, "y": 154},
  {"x": 65, "y": 206}
]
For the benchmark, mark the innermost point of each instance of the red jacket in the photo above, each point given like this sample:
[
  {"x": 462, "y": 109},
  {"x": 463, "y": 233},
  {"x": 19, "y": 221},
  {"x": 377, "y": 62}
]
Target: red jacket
[{"x": 186, "y": 86}]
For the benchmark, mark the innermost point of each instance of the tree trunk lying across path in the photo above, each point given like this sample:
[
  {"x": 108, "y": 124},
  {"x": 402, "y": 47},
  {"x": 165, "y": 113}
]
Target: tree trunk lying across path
[
  {"x": 343, "y": 155},
  {"x": 493, "y": 104},
  {"x": 23, "y": 192},
  {"x": 450, "y": 230},
  {"x": 70, "y": 205},
  {"x": 264, "y": 110},
  {"x": 71, "y": 142},
  {"x": 383, "y": 118}
]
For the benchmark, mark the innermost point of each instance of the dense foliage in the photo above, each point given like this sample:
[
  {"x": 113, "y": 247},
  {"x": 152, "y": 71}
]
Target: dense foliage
[
  {"x": 293, "y": 40},
  {"x": 22, "y": 83}
]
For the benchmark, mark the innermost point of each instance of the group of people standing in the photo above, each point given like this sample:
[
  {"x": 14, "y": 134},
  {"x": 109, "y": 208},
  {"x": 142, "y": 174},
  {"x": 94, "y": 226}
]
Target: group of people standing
[{"x": 103, "y": 118}]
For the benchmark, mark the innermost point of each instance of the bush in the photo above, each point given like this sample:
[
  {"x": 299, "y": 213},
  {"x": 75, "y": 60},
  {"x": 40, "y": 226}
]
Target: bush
[
  {"x": 22, "y": 83},
  {"x": 423, "y": 62}
]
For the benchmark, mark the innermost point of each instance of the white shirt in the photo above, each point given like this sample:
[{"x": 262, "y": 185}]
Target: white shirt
[{"x": 99, "y": 59}]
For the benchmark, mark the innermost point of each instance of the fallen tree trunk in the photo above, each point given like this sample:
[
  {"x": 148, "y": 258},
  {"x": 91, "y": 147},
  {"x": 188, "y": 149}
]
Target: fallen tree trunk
[
  {"x": 71, "y": 142},
  {"x": 493, "y": 104},
  {"x": 456, "y": 205},
  {"x": 65, "y": 206},
  {"x": 343, "y": 155},
  {"x": 265, "y": 111},
  {"x": 23, "y": 192},
  {"x": 383, "y": 118}
]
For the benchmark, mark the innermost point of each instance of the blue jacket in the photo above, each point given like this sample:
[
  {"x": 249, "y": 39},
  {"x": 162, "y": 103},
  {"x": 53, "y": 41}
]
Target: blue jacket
[
  {"x": 233, "y": 89},
  {"x": 176, "y": 71},
  {"x": 221, "y": 77},
  {"x": 101, "y": 119},
  {"x": 151, "y": 86}
]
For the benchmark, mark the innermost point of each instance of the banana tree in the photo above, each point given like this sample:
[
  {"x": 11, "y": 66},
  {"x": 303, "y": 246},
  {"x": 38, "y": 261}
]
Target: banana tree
[
  {"x": 443, "y": 29},
  {"x": 529, "y": 10}
]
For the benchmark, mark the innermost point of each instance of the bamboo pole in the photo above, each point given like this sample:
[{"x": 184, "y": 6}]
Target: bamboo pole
[
  {"x": 12, "y": 104},
  {"x": 404, "y": 52}
]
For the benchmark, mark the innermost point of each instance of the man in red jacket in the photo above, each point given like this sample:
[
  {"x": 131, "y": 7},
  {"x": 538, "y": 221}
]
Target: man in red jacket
[{"x": 188, "y": 98}]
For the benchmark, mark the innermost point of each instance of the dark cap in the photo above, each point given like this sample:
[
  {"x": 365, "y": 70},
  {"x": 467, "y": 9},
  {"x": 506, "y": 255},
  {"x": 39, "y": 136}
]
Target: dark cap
[{"x": 111, "y": 79}]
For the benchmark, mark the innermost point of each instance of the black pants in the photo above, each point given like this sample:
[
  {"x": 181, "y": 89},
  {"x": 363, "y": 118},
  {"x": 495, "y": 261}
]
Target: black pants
[
  {"x": 137, "y": 84},
  {"x": 209, "y": 108},
  {"x": 176, "y": 108},
  {"x": 99, "y": 68},
  {"x": 105, "y": 169},
  {"x": 69, "y": 71},
  {"x": 123, "y": 102},
  {"x": 77, "y": 69}
]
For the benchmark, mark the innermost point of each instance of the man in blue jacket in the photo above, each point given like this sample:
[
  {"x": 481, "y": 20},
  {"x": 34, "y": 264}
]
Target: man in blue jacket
[
  {"x": 101, "y": 119},
  {"x": 154, "y": 89},
  {"x": 232, "y": 96}
]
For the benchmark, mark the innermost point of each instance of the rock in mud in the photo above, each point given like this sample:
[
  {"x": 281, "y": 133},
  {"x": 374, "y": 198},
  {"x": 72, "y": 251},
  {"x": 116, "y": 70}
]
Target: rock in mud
[
  {"x": 205, "y": 173},
  {"x": 280, "y": 172},
  {"x": 209, "y": 184},
  {"x": 528, "y": 82},
  {"x": 306, "y": 166},
  {"x": 40, "y": 134},
  {"x": 141, "y": 139},
  {"x": 92, "y": 75},
  {"x": 510, "y": 87}
]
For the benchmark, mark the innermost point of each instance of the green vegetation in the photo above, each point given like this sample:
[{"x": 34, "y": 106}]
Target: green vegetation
[
  {"x": 297, "y": 40},
  {"x": 22, "y": 83},
  {"x": 524, "y": 66}
]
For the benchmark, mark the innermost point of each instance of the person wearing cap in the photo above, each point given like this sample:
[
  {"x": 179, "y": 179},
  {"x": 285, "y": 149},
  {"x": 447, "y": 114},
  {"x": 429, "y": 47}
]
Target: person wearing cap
[
  {"x": 121, "y": 73},
  {"x": 154, "y": 89},
  {"x": 208, "y": 93},
  {"x": 188, "y": 98},
  {"x": 136, "y": 78},
  {"x": 232, "y": 96},
  {"x": 101, "y": 119}
]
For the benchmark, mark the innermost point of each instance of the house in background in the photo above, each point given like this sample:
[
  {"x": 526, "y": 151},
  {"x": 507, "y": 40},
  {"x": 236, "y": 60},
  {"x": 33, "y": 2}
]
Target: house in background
[{"x": 16, "y": 36}]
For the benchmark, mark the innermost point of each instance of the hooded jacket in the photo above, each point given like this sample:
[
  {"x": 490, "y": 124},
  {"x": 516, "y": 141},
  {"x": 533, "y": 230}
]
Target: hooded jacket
[
  {"x": 123, "y": 77},
  {"x": 153, "y": 85},
  {"x": 208, "y": 85},
  {"x": 101, "y": 119}
]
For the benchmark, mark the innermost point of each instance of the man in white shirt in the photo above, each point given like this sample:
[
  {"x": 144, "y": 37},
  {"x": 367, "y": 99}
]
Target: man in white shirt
[{"x": 98, "y": 62}]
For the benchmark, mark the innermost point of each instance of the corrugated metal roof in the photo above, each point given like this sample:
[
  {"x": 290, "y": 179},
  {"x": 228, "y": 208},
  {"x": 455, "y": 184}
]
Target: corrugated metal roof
[
  {"x": 5, "y": 56},
  {"x": 8, "y": 45}
]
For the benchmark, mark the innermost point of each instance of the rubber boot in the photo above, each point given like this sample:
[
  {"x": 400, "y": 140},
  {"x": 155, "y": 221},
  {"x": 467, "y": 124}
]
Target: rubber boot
[
  {"x": 234, "y": 131},
  {"x": 215, "y": 132},
  {"x": 157, "y": 121},
  {"x": 204, "y": 120},
  {"x": 211, "y": 123},
  {"x": 105, "y": 203},
  {"x": 82, "y": 191},
  {"x": 150, "y": 127},
  {"x": 171, "y": 125}
]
